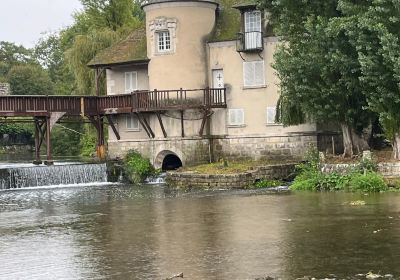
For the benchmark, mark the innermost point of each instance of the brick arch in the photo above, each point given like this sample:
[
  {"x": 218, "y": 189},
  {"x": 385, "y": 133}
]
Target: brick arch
[{"x": 164, "y": 155}]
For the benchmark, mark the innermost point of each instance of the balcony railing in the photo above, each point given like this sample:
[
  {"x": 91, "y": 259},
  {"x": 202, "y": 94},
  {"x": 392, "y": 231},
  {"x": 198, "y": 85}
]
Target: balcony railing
[{"x": 251, "y": 41}]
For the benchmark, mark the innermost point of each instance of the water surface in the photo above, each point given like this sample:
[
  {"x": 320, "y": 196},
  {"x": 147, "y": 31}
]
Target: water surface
[{"x": 126, "y": 232}]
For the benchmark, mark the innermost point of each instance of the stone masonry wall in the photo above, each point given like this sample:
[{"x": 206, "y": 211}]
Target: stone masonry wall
[
  {"x": 266, "y": 147},
  {"x": 5, "y": 89},
  {"x": 196, "y": 150},
  {"x": 387, "y": 169},
  {"x": 190, "y": 150},
  {"x": 188, "y": 180}
]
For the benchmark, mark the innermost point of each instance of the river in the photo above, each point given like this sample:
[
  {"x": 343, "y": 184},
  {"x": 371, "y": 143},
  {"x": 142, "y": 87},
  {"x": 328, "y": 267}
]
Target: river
[{"x": 150, "y": 232}]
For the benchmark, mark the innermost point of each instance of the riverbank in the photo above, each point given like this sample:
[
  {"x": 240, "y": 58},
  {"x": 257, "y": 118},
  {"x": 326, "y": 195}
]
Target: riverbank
[{"x": 369, "y": 173}]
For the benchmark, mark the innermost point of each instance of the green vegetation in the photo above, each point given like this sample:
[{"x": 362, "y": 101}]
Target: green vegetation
[
  {"x": 58, "y": 64},
  {"x": 362, "y": 178},
  {"x": 226, "y": 167},
  {"x": 339, "y": 64},
  {"x": 136, "y": 167}
]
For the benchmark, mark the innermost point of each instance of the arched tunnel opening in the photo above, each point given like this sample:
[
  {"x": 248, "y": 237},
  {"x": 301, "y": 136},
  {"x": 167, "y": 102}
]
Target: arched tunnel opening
[{"x": 171, "y": 162}]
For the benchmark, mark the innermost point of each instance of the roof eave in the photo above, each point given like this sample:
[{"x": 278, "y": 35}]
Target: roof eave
[{"x": 122, "y": 63}]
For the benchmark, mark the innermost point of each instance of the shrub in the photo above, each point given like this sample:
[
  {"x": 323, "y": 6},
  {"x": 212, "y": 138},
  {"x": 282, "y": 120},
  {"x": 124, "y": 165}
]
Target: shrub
[
  {"x": 136, "y": 167},
  {"x": 368, "y": 182},
  {"x": 362, "y": 178}
]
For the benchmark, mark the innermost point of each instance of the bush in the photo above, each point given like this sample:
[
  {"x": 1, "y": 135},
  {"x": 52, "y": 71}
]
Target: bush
[
  {"x": 136, "y": 167},
  {"x": 368, "y": 182},
  {"x": 362, "y": 178}
]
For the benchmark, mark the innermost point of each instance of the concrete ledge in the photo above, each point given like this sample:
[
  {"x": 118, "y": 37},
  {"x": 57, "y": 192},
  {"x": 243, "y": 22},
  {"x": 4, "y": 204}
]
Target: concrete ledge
[
  {"x": 190, "y": 180},
  {"x": 387, "y": 169}
]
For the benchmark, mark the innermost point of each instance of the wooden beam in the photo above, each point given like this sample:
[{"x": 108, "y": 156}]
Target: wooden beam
[
  {"x": 203, "y": 122},
  {"x": 143, "y": 125},
  {"x": 148, "y": 127},
  {"x": 161, "y": 124},
  {"x": 114, "y": 129},
  {"x": 182, "y": 125}
]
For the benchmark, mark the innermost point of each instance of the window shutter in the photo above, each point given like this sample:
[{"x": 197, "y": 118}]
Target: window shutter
[
  {"x": 232, "y": 117},
  {"x": 240, "y": 119},
  {"x": 259, "y": 76},
  {"x": 248, "y": 73},
  {"x": 236, "y": 116},
  {"x": 253, "y": 73},
  {"x": 134, "y": 85},
  {"x": 271, "y": 114},
  {"x": 128, "y": 79}
]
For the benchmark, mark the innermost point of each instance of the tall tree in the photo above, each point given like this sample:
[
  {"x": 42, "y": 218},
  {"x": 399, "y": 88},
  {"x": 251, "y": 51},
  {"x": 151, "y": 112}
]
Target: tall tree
[
  {"x": 12, "y": 54},
  {"x": 318, "y": 69},
  {"x": 373, "y": 27},
  {"x": 49, "y": 53},
  {"x": 98, "y": 26},
  {"x": 29, "y": 79}
]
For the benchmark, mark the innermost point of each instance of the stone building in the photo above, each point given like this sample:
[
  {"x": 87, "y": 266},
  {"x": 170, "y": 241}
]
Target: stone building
[{"x": 200, "y": 44}]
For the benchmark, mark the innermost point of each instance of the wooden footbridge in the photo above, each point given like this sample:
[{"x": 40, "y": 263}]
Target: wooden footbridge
[{"x": 46, "y": 111}]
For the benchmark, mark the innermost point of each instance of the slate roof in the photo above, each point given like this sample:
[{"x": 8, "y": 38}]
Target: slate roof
[{"x": 129, "y": 50}]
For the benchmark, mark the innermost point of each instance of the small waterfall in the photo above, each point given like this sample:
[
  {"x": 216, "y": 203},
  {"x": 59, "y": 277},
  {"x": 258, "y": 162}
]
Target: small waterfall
[
  {"x": 38, "y": 176},
  {"x": 155, "y": 180}
]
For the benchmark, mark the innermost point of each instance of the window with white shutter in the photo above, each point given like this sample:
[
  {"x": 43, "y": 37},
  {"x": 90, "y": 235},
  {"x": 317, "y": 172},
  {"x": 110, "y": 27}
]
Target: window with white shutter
[
  {"x": 271, "y": 113},
  {"x": 253, "y": 73},
  {"x": 236, "y": 117},
  {"x": 130, "y": 81},
  {"x": 132, "y": 122}
]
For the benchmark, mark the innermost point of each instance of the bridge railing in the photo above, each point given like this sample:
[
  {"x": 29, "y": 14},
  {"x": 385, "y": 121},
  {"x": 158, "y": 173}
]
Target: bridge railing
[
  {"x": 136, "y": 101},
  {"x": 165, "y": 99}
]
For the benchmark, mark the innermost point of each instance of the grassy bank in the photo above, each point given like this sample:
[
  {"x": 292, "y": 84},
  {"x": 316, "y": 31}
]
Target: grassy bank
[{"x": 229, "y": 167}]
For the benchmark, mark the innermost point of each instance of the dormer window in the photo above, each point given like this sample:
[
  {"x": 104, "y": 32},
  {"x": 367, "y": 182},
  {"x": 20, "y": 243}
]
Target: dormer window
[
  {"x": 251, "y": 37},
  {"x": 164, "y": 41}
]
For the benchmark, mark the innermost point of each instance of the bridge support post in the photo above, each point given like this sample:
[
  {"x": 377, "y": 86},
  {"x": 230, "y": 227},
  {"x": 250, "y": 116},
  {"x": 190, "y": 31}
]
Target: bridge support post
[
  {"x": 98, "y": 123},
  {"x": 39, "y": 136},
  {"x": 49, "y": 158},
  {"x": 100, "y": 149}
]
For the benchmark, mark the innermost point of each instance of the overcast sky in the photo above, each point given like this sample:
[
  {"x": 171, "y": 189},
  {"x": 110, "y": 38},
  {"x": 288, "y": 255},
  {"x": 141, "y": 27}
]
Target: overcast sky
[{"x": 23, "y": 21}]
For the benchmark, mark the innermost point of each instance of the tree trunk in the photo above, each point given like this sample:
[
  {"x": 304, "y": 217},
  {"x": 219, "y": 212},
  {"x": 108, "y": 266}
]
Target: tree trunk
[
  {"x": 396, "y": 146},
  {"x": 360, "y": 142},
  {"x": 347, "y": 140}
]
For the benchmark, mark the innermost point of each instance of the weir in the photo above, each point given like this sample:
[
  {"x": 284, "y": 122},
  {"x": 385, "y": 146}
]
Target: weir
[{"x": 14, "y": 177}]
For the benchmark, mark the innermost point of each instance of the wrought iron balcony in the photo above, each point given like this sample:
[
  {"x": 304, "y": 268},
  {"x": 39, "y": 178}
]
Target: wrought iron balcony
[{"x": 251, "y": 41}]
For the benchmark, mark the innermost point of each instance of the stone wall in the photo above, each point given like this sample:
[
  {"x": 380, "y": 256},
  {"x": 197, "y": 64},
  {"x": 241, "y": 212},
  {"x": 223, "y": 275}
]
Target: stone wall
[
  {"x": 187, "y": 180},
  {"x": 197, "y": 150},
  {"x": 5, "y": 89},
  {"x": 263, "y": 147},
  {"x": 191, "y": 151},
  {"x": 387, "y": 169}
]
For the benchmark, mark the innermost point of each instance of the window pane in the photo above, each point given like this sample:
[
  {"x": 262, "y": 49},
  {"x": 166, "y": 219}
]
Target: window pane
[
  {"x": 164, "y": 40},
  {"x": 252, "y": 21},
  {"x": 132, "y": 122}
]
